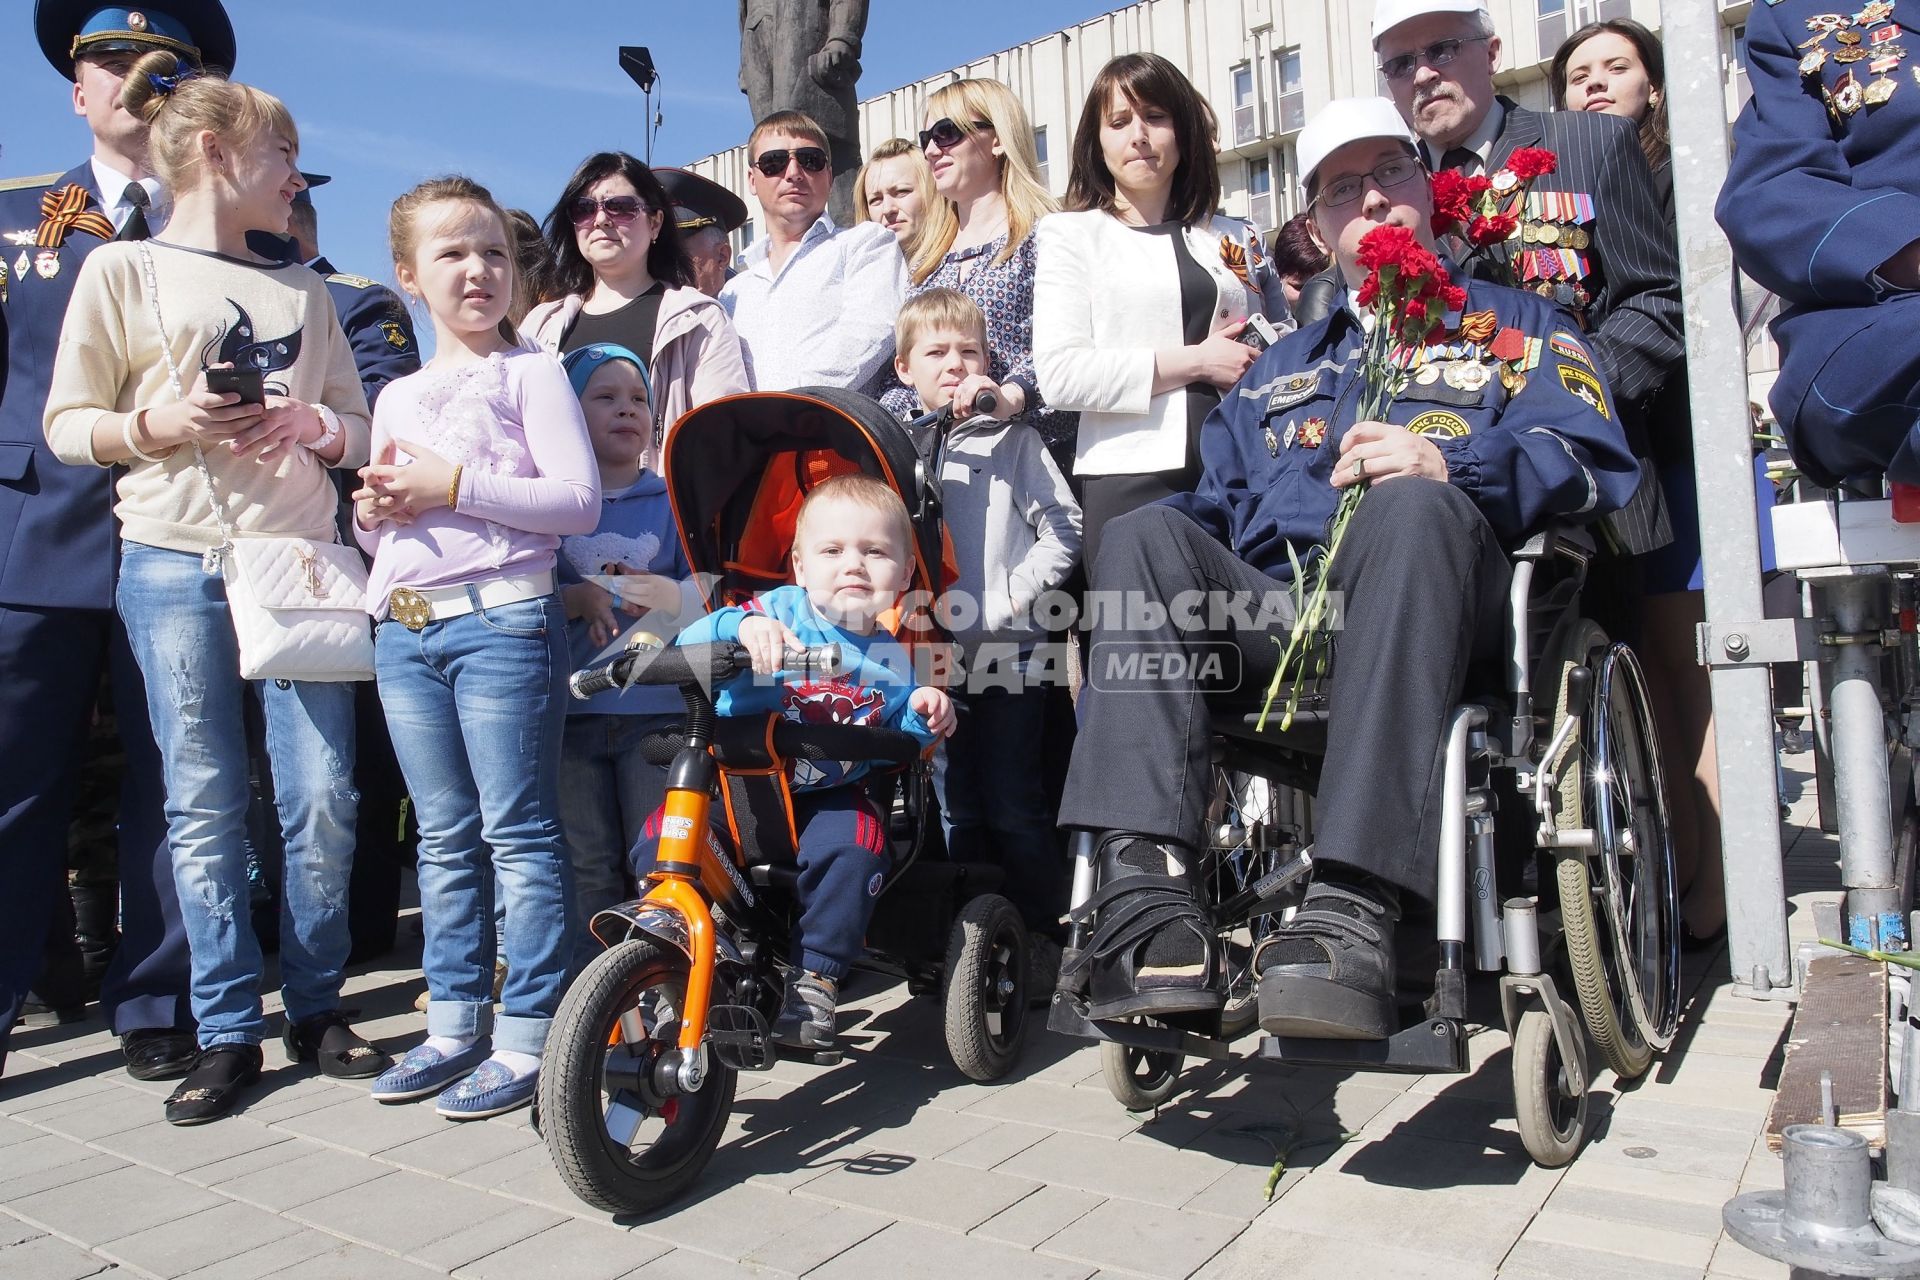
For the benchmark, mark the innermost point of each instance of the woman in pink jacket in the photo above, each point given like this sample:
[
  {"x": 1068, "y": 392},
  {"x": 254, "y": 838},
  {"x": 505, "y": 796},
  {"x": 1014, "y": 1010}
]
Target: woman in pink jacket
[{"x": 617, "y": 255}]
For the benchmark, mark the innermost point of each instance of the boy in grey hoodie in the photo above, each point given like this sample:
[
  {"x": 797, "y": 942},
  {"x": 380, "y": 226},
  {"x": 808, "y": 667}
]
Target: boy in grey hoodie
[{"x": 1015, "y": 530}]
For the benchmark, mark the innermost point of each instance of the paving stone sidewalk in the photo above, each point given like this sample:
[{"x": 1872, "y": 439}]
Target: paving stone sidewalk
[{"x": 893, "y": 1164}]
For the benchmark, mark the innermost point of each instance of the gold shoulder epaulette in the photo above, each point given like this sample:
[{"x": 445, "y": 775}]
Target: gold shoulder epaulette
[
  {"x": 352, "y": 282},
  {"x": 38, "y": 180}
]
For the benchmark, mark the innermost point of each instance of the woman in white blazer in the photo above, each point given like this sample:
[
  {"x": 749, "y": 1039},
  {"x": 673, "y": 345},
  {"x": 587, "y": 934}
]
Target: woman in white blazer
[{"x": 1141, "y": 292}]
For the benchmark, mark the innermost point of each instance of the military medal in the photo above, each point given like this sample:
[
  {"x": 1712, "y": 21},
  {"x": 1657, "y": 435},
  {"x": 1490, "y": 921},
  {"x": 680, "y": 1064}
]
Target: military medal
[
  {"x": 1468, "y": 375},
  {"x": 1273, "y": 441},
  {"x": 46, "y": 263},
  {"x": 1884, "y": 66},
  {"x": 1879, "y": 91},
  {"x": 1428, "y": 375},
  {"x": 1877, "y": 11},
  {"x": 1889, "y": 32},
  {"x": 1312, "y": 432},
  {"x": 1852, "y": 53},
  {"x": 22, "y": 265},
  {"x": 3, "y": 282},
  {"x": 1847, "y": 95},
  {"x": 1811, "y": 64},
  {"x": 1505, "y": 181},
  {"x": 1847, "y": 37},
  {"x": 1828, "y": 23}
]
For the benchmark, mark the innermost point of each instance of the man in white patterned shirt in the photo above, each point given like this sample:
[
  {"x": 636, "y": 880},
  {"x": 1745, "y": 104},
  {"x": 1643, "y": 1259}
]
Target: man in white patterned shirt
[{"x": 814, "y": 304}]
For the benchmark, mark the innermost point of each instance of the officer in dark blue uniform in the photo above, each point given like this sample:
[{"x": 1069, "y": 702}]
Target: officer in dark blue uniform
[
  {"x": 1822, "y": 205},
  {"x": 58, "y": 547},
  {"x": 1505, "y": 425}
]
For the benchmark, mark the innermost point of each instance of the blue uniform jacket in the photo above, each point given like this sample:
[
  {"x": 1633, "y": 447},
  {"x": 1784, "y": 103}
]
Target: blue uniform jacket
[
  {"x": 57, "y": 533},
  {"x": 873, "y": 687},
  {"x": 1552, "y": 450},
  {"x": 377, "y": 324},
  {"x": 1817, "y": 198}
]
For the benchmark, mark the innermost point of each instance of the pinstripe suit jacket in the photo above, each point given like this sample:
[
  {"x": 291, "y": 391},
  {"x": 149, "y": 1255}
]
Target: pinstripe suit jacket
[{"x": 1633, "y": 321}]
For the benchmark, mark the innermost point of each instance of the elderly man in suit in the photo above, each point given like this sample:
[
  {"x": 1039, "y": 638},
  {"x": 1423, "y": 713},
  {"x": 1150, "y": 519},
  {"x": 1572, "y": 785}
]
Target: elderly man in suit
[
  {"x": 59, "y": 546},
  {"x": 1613, "y": 262}
]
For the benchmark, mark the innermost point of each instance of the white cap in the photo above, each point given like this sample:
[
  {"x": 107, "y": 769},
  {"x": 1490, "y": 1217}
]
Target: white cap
[
  {"x": 1347, "y": 120},
  {"x": 1388, "y": 14}
]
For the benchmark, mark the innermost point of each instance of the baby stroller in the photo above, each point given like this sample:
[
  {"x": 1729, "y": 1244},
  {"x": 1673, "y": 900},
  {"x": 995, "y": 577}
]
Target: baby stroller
[{"x": 642, "y": 1057}]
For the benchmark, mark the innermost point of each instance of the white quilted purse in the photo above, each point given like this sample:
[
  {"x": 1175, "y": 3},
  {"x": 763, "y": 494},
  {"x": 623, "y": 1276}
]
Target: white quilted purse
[{"x": 299, "y": 607}]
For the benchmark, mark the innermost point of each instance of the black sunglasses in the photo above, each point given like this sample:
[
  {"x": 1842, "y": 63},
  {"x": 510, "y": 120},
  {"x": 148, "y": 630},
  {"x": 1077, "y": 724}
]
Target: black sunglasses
[
  {"x": 947, "y": 133},
  {"x": 1437, "y": 54},
  {"x": 621, "y": 209},
  {"x": 772, "y": 164}
]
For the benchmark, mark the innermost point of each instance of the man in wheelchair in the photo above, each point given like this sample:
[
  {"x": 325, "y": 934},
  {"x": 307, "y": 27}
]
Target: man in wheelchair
[{"x": 1481, "y": 450}]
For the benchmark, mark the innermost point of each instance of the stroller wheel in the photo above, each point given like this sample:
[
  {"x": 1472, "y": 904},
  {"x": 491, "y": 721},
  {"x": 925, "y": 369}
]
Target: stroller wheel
[
  {"x": 986, "y": 987},
  {"x": 620, "y": 1142}
]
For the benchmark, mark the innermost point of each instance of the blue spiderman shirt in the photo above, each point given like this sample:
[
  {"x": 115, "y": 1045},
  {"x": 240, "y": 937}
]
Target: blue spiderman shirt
[{"x": 872, "y": 688}]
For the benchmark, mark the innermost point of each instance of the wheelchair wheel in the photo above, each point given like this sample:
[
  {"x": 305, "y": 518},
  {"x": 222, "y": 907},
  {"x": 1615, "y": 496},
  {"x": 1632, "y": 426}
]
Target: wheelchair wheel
[
  {"x": 1619, "y": 902},
  {"x": 985, "y": 993},
  {"x": 1553, "y": 1119},
  {"x": 1139, "y": 1079},
  {"x": 619, "y": 1143}
]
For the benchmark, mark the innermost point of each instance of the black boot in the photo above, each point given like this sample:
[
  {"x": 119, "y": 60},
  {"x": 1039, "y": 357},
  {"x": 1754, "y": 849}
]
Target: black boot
[
  {"x": 1327, "y": 974},
  {"x": 96, "y": 916},
  {"x": 1153, "y": 950}
]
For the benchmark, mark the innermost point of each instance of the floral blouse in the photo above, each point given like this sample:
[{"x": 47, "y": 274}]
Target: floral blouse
[{"x": 1004, "y": 292}]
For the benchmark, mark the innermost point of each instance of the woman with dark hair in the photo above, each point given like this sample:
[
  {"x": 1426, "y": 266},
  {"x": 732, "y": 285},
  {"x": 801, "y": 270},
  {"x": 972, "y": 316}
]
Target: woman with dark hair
[
  {"x": 1617, "y": 67},
  {"x": 621, "y": 277},
  {"x": 1140, "y": 292}
]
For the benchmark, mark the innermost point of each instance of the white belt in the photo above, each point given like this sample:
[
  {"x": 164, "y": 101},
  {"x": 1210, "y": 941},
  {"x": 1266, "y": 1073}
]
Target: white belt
[{"x": 415, "y": 609}]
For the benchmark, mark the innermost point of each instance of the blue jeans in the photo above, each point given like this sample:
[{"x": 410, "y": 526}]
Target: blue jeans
[
  {"x": 607, "y": 793},
  {"x": 182, "y": 636},
  {"x": 476, "y": 706},
  {"x": 992, "y": 785}
]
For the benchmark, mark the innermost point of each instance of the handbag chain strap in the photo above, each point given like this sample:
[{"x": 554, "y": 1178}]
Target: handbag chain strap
[{"x": 212, "y": 560}]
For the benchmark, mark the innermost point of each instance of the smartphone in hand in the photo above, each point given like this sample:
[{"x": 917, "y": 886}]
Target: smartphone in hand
[
  {"x": 1259, "y": 333},
  {"x": 249, "y": 384}
]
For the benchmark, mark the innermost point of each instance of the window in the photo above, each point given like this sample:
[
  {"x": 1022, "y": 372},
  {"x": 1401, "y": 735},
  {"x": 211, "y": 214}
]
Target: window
[
  {"x": 1260, "y": 194},
  {"x": 1245, "y": 129},
  {"x": 1558, "y": 19},
  {"x": 1737, "y": 67},
  {"x": 1288, "y": 94},
  {"x": 746, "y": 234},
  {"x": 1040, "y": 153}
]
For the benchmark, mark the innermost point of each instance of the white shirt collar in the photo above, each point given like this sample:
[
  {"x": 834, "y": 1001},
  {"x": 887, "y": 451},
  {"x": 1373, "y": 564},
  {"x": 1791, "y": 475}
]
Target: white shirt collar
[
  {"x": 113, "y": 190},
  {"x": 761, "y": 250}
]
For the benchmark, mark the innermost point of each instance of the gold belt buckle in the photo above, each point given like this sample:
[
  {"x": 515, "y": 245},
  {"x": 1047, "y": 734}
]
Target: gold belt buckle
[{"x": 409, "y": 608}]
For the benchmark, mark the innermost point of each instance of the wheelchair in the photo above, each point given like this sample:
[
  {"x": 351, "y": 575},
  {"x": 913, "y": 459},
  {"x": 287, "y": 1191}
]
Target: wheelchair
[
  {"x": 644, "y": 1054},
  {"x": 1581, "y": 920}
]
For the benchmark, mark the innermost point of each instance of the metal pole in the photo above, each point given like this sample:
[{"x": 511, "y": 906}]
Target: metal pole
[
  {"x": 1729, "y": 528},
  {"x": 1858, "y": 606}
]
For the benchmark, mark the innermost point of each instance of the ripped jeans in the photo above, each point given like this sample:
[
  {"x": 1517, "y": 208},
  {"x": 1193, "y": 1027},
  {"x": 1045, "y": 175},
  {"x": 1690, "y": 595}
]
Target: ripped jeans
[{"x": 176, "y": 617}]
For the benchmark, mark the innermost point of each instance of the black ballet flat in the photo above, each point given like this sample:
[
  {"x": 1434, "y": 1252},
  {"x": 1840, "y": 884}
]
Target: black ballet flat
[
  {"x": 328, "y": 1039},
  {"x": 214, "y": 1085}
]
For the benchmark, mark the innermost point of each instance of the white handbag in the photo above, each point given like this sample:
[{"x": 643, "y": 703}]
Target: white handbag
[{"x": 299, "y": 607}]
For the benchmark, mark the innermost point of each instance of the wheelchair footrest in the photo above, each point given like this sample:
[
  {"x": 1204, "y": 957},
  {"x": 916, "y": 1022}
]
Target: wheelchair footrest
[
  {"x": 1437, "y": 1046},
  {"x": 739, "y": 1037},
  {"x": 1068, "y": 1016}
]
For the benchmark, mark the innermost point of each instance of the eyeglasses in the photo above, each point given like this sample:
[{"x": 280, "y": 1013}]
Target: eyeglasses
[
  {"x": 1396, "y": 172},
  {"x": 1437, "y": 54},
  {"x": 772, "y": 164},
  {"x": 620, "y": 210},
  {"x": 948, "y": 134}
]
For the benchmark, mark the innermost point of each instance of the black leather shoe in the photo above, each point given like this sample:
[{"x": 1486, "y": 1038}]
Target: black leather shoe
[
  {"x": 159, "y": 1053},
  {"x": 1328, "y": 973},
  {"x": 213, "y": 1087},
  {"x": 1153, "y": 949},
  {"x": 327, "y": 1038}
]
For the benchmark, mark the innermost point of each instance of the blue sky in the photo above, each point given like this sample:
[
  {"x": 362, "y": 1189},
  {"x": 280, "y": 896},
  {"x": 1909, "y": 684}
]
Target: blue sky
[{"x": 390, "y": 91}]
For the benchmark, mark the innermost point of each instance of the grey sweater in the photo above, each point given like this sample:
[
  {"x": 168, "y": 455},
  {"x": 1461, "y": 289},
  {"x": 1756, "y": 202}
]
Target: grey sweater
[{"x": 1015, "y": 529}]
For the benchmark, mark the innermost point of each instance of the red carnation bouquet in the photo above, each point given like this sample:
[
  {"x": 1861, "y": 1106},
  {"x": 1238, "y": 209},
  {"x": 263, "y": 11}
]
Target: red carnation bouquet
[
  {"x": 1409, "y": 295},
  {"x": 1484, "y": 212}
]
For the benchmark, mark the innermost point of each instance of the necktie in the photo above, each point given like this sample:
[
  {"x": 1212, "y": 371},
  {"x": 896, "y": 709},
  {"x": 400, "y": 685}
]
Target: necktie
[
  {"x": 135, "y": 227},
  {"x": 1464, "y": 159}
]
